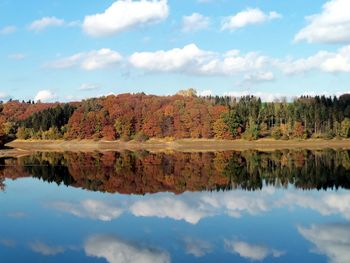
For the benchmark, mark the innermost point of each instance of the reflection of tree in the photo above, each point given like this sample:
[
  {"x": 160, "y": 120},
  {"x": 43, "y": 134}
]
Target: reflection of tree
[
  {"x": 304, "y": 169},
  {"x": 2, "y": 178},
  {"x": 2, "y": 184},
  {"x": 144, "y": 172},
  {"x": 10, "y": 169}
]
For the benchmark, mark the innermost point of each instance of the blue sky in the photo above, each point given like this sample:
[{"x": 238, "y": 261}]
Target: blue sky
[{"x": 67, "y": 50}]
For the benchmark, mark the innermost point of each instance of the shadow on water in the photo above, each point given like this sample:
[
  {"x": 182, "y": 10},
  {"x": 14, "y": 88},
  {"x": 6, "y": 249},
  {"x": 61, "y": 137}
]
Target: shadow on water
[{"x": 144, "y": 172}]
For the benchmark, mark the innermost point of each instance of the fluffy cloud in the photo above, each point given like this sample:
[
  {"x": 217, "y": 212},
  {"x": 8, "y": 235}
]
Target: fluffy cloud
[
  {"x": 192, "y": 60},
  {"x": 168, "y": 207},
  {"x": 196, "y": 206},
  {"x": 197, "y": 247},
  {"x": 251, "y": 251},
  {"x": 195, "y": 22},
  {"x": 45, "y": 22},
  {"x": 327, "y": 204},
  {"x": 265, "y": 96},
  {"x": 205, "y": 93},
  {"x": 332, "y": 240},
  {"x": 189, "y": 207},
  {"x": 247, "y": 17},
  {"x": 193, "y": 207},
  {"x": 45, "y": 96},
  {"x": 90, "y": 208},
  {"x": 326, "y": 61},
  {"x": 115, "y": 250},
  {"x": 332, "y": 25},
  {"x": 45, "y": 249},
  {"x": 7, "y": 30},
  {"x": 125, "y": 14},
  {"x": 95, "y": 59},
  {"x": 257, "y": 67},
  {"x": 175, "y": 60}
]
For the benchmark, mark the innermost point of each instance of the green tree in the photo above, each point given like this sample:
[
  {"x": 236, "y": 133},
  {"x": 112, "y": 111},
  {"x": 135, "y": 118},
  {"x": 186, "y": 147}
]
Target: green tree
[
  {"x": 233, "y": 122},
  {"x": 345, "y": 128}
]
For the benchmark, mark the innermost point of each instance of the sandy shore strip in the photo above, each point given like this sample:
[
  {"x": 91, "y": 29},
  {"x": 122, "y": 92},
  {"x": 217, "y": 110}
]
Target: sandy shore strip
[{"x": 21, "y": 147}]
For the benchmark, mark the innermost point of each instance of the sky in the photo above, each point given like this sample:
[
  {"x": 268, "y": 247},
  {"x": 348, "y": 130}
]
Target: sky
[{"x": 63, "y": 50}]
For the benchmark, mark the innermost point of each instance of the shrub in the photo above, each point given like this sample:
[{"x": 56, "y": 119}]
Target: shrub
[
  {"x": 24, "y": 133},
  {"x": 52, "y": 134},
  {"x": 276, "y": 133},
  {"x": 141, "y": 137}
]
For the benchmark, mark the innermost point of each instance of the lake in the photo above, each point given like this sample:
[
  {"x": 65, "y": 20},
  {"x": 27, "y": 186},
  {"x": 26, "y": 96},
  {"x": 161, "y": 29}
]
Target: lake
[{"x": 250, "y": 206}]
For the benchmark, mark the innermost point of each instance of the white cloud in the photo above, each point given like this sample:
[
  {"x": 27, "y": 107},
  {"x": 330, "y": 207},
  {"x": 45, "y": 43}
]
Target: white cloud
[
  {"x": 265, "y": 96},
  {"x": 3, "y": 95},
  {"x": 251, "y": 251},
  {"x": 17, "y": 56},
  {"x": 168, "y": 207},
  {"x": 45, "y": 249},
  {"x": 332, "y": 240},
  {"x": 190, "y": 207},
  {"x": 193, "y": 207},
  {"x": 7, "y": 30},
  {"x": 115, "y": 250},
  {"x": 205, "y": 93},
  {"x": 95, "y": 59},
  {"x": 88, "y": 86},
  {"x": 45, "y": 22},
  {"x": 247, "y": 17},
  {"x": 174, "y": 60},
  {"x": 256, "y": 67},
  {"x": 192, "y": 60},
  {"x": 197, "y": 247},
  {"x": 125, "y": 14},
  {"x": 89, "y": 208},
  {"x": 326, "y": 61},
  {"x": 195, "y": 22},
  {"x": 45, "y": 96},
  {"x": 332, "y": 25},
  {"x": 327, "y": 204}
]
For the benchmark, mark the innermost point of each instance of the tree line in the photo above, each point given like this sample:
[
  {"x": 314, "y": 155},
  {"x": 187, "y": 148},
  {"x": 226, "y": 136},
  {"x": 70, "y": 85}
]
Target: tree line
[{"x": 185, "y": 115}]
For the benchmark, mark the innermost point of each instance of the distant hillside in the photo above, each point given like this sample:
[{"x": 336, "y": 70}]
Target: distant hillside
[{"x": 140, "y": 116}]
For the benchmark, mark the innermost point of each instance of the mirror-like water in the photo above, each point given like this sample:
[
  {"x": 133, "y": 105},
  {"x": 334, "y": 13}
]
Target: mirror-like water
[{"x": 283, "y": 206}]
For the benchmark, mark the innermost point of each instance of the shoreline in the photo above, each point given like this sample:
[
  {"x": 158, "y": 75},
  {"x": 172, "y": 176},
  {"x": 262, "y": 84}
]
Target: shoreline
[{"x": 25, "y": 147}]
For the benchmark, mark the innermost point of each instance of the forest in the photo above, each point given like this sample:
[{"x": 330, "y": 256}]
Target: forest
[{"x": 184, "y": 115}]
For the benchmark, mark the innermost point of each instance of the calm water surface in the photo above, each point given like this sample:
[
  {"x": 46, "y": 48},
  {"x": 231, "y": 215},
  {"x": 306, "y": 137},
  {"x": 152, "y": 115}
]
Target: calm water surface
[{"x": 284, "y": 206}]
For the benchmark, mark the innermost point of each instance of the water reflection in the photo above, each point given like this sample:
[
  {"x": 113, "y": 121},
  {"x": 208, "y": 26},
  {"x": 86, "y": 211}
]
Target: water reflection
[
  {"x": 144, "y": 172},
  {"x": 115, "y": 250},
  {"x": 251, "y": 251},
  {"x": 332, "y": 240},
  {"x": 285, "y": 206},
  {"x": 194, "y": 207}
]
